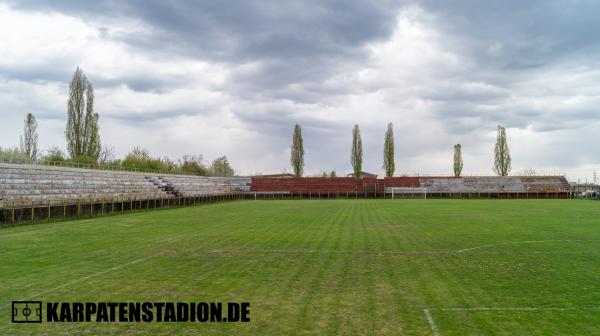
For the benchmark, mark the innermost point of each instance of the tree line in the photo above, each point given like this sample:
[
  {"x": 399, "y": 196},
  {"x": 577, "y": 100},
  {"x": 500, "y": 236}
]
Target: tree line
[
  {"x": 84, "y": 146},
  {"x": 82, "y": 136},
  {"x": 502, "y": 159}
]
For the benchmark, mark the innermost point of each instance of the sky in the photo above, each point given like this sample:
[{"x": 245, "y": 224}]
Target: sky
[{"x": 233, "y": 77}]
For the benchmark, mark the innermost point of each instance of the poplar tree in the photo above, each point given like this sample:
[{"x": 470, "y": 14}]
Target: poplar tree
[
  {"x": 29, "y": 139},
  {"x": 357, "y": 152},
  {"x": 502, "y": 161},
  {"x": 388, "y": 151},
  {"x": 297, "y": 153},
  {"x": 458, "y": 161},
  {"x": 82, "y": 134}
]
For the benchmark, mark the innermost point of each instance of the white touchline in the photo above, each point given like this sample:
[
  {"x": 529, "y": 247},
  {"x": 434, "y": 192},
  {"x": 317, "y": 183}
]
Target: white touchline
[
  {"x": 524, "y": 242},
  {"x": 436, "y": 332},
  {"x": 114, "y": 268}
]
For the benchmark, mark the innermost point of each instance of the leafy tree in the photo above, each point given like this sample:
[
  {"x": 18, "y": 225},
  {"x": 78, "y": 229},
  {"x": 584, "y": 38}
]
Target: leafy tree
[
  {"x": 29, "y": 139},
  {"x": 83, "y": 159},
  {"x": 83, "y": 139},
  {"x": 502, "y": 160},
  {"x": 13, "y": 154},
  {"x": 333, "y": 174},
  {"x": 221, "y": 167},
  {"x": 193, "y": 165},
  {"x": 55, "y": 154},
  {"x": 388, "y": 151},
  {"x": 139, "y": 158},
  {"x": 297, "y": 153},
  {"x": 357, "y": 152},
  {"x": 458, "y": 161}
]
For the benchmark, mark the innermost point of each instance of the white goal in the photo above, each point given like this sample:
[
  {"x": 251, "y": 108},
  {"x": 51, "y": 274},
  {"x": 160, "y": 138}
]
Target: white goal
[{"x": 406, "y": 192}]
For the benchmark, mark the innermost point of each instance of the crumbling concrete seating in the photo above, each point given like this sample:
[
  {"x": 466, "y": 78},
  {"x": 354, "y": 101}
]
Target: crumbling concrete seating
[
  {"x": 473, "y": 184},
  {"x": 546, "y": 183},
  {"x": 42, "y": 184},
  {"x": 188, "y": 185}
]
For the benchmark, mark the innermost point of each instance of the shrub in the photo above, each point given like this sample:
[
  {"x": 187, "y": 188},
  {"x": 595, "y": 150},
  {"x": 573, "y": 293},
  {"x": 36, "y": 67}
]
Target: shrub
[{"x": 13, "y": 154}]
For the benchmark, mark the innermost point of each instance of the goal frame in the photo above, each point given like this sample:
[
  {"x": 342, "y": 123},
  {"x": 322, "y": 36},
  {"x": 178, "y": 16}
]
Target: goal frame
[{"x": 407, "y": 190}]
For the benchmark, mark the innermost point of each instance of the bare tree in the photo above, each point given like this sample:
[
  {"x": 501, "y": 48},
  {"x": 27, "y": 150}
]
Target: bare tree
[
  {"x": 106, "y": 155},
  {"x": 502, "y": 160},
  {"x": 357, "y": 152},
  {"x": 458, "y": 160},
  {"x": 388, "y": 151},
  {"x": 528, "y": 172},
  {"x": 297, "y": 153},
  {"x": 29, "y": 139}
]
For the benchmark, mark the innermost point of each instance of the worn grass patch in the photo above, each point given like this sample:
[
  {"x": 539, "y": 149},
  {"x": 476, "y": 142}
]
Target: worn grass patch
[{"x": 353, "y": 267}]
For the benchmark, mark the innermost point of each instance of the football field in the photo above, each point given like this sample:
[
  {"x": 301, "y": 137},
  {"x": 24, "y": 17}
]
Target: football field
[{"x": 322, "y": 267}]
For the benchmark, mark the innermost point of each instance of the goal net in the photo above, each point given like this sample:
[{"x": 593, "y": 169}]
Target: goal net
[{"x": 405, "y": 192}]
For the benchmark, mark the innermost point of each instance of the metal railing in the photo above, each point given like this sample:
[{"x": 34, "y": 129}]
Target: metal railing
[
  {"x": 68, "y": 164},
  {"x": 15, "y": 212},
  {"x": 446, "y": 174}
]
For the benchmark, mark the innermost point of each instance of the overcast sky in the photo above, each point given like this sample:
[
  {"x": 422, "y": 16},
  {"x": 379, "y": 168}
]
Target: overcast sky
[{"x": 232, "y": 77}]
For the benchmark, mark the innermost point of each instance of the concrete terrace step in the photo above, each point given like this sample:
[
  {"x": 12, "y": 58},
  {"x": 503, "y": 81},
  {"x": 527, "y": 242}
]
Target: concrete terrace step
[{"x": 47, "y": 183}]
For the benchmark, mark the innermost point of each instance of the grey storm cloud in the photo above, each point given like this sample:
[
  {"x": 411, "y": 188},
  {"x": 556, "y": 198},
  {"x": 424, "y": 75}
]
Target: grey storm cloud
[
  {"x": 524, "y": 34},
  {"x": 294, "y": 41},
  {"x": 305, "y": 42},
  {"x": 529, "y": 65}
]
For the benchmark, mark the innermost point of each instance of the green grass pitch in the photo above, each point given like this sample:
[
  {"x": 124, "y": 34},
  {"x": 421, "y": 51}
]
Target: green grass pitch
[{"x": 329, "y": 267}]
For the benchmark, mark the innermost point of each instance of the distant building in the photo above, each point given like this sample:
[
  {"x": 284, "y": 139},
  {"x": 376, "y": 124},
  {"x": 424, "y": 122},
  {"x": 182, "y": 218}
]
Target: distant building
[
  {"x": 363, "y": 174},
  {"x": 282, "y": 175}
]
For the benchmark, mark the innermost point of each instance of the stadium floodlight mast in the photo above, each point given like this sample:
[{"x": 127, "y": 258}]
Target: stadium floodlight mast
[
  {"x": 29, "y": 139},
  {"x": 82, "y": 134},
  {"x": 458, "y": 161},
  {"x": 502, "y": 160},
  {"x": 357, "y": 152},
  {"x": 297, "y": 152},
  {"x": 388, "y": 151}
]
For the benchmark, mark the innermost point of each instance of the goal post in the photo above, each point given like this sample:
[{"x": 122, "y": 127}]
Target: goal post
[{"x": 406, "y": 192}]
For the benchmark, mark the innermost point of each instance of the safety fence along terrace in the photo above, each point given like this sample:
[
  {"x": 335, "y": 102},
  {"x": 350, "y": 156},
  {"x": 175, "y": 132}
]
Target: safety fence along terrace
[
  {"x": 36, "y": 192},
  {"x": 14, "y": 213},
  {"x": 31, "y": 192}
]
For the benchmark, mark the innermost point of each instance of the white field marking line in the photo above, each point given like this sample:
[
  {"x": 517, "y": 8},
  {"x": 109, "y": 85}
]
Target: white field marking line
[
  {"x": 434, "y": 329},
  {"x": 524, "y": 242},
  {"x": 50, "y": 227},
  {"x": 511, "y": 308},
  {"x": 436, "y": 332},
  {"x": 58, "y": 226},
  {"x": 114, "y": 268},
  {"x": 325, "y": 251},
  {"x": 374, "y": 252}
]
